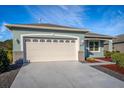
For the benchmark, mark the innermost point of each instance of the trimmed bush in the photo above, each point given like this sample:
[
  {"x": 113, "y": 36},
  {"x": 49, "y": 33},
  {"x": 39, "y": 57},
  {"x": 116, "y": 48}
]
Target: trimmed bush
[
  {"x": 10, "y": 56},
  {"x": 118, "y": 58},
  {"x": 108, "y": 54},
  {"x": 4, "y": 60}
]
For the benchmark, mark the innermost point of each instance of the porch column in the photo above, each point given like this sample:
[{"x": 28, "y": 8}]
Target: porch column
[
  {"x": 81, "y": 53},
  {"x": 110, "y": 46}
]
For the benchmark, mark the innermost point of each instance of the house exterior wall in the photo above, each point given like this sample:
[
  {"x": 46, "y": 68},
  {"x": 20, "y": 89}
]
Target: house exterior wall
[
  {"x": 18, "y": 53},
  {"x": 106, "y": 47},
  {"x": 17, "y": 36},
  {"x": 119, "y": 47},
  {"x": 94, "y": 54}
]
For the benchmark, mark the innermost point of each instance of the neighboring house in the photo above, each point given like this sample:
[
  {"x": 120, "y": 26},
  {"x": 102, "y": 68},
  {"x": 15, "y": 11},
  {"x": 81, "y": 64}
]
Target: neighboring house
[
  {"x": 47, "y": 42},
  {"x": 118, "y": 43}
]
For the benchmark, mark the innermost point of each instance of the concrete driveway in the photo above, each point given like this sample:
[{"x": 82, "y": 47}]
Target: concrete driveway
[{"x": 63, "y": 75}]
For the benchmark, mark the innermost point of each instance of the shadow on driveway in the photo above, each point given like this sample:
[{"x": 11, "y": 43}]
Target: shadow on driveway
[{"x": 7, "y": 77}]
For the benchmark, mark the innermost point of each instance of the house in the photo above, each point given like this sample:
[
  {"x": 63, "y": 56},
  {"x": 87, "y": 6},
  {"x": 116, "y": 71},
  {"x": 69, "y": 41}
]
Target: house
[
  {"x": 48, "y": 42},
  {"x": 118, "y": 43}
]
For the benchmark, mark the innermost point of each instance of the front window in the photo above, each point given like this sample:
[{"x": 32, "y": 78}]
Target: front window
[{"x": 94, "y": 45}]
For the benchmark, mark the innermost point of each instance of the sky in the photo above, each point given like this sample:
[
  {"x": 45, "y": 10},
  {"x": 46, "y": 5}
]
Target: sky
[{"x": 108, "y": 20}]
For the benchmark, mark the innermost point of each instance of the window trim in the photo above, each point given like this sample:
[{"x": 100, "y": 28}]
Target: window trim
[{"x": 98, "y": 45}]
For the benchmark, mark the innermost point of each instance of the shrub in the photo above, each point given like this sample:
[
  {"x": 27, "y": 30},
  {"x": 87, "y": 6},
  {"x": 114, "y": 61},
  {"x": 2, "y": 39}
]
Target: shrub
[
  {"x": 107, "y": 54},
  {"x": 115, "y": 57},
  {"x": 4, "y": 59},
  {"x": 1, "y": 63},
  {"x": 118, "y": 58},
  {"x": 10, "y": 56}
]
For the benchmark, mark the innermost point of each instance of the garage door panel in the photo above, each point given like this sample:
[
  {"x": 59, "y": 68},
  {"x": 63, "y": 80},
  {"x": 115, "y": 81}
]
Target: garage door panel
[{"x": 50, "y": 51}]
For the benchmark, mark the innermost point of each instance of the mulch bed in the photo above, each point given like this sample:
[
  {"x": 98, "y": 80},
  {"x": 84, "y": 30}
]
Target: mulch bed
[
  {"x": 88, "y": 61},
  {"x": 115, "y": 68},
  {"x": 105, "y": 59},
  {"x": 7, "y": 78},
  {"x": 111, "y": 69}
]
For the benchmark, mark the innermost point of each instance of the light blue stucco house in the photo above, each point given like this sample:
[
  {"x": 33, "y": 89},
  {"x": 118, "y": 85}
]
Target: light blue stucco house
[{"x": 48, "y": 42}]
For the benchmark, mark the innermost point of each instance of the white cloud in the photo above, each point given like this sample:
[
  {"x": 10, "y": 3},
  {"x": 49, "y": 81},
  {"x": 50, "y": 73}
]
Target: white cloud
[
  {"x": 3, "y": 28},
  {"x": 111, "y": 23},
  {"x": 63, "y": 15},
  {"x": 4, "y": 33}
]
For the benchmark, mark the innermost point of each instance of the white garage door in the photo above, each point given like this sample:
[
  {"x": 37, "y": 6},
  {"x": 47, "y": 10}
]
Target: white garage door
[{"x": 50, "y": 49}]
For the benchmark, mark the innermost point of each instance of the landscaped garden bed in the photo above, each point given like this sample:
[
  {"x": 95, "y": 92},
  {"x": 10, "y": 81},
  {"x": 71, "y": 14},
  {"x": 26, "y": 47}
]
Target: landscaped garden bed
[
  {"x": 108, "y": 56},
  {"x": 91, "y": 60},
  {"x": 106, "y": 69},
  {"x": 8, "y": 71},
  {"x": 118, "y": 58},
  {"x": 107, "y": 59},
  {"x": 115, "y": 68}
]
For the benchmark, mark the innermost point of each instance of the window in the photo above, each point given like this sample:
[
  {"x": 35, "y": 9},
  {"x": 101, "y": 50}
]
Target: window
[
  {"x": 94, "y": 45},
  {"x": 35, "y": 40},
  {"x": 48, "y": 40},
  {"x": 67, "y": 41},
  {"x": 61, "y": 41},
  {"x": 55, "y": 40},
  {"x": 27, "y": 40},
  {"x": 42, "y": 40},
  {"x": 73, "y": 41}
]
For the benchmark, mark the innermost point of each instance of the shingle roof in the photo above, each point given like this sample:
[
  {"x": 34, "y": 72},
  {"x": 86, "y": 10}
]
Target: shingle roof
[
  {"x": 59, "y": 27},
  {"x": 49, "y": 25},
  {"x": 95, "y": 35},
  {"x": 46, "y": 26}
]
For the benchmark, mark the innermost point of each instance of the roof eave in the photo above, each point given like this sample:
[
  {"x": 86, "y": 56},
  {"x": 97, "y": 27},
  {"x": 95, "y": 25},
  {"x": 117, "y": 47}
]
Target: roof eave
[
  {"x": 11, "y": 27},
  {"x": 99, "y": 37}
]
